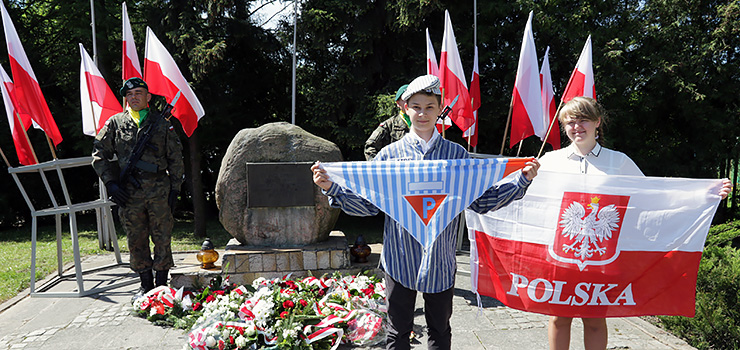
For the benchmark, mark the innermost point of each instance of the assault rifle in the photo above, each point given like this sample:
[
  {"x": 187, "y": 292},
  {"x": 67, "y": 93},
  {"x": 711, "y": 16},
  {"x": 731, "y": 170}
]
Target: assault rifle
[{"x": 142, "y": 143}]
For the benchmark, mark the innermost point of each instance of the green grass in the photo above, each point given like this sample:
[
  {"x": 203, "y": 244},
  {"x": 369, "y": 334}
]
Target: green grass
[
  {"x": 15, "y": 245},
  {"x": 15, "y": 249}
]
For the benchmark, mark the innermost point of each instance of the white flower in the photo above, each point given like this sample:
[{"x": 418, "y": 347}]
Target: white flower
[
  {"x": 240, "y": 341},
  {"x": 251, "y": 330},
  {"x": 212, "y": 331},
  {"x": 210, "y": 341}
]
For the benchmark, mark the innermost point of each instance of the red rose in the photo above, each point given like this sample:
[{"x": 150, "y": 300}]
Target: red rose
[
  {"x": 219, "y": 292},
  {"x": 221, "y": 345},
  {"x": 322, "y": 292},
  {"x": 303, "y": 302},
  {"x": 210, "y": 298},
  {"x": 197, "y": 306},
  {"x": 284, "y": 314},
  {"x": 288, "y": 304},
  {"x": 368, "y": 291}
]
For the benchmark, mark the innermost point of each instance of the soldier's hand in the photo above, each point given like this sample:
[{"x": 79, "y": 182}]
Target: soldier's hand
[
  {"x": 118, "y": 194},
  {"x": 172, "y": 200}
]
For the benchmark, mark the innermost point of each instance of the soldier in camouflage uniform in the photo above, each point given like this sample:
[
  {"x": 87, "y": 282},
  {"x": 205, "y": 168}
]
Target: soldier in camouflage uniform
[
  {"x": 389, "y": 131},
  {"x": 145, "y": 211}
]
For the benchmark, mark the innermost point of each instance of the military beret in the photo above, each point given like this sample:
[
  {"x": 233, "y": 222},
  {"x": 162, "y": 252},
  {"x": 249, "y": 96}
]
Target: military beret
[
  {"x": 400, "y": 91},
  {"x": 428, "y": 83},
  {"x": 133, "y": 83}
]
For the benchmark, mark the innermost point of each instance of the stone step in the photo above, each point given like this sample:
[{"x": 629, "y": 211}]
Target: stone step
[{"x": 244, "y": 264}]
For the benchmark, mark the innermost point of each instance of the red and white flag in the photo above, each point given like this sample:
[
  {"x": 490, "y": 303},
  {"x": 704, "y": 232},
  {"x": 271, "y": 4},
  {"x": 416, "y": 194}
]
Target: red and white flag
[
  {"x": 526, "y": 111},
  {"x": 595, "y": 246},
  {"x": 432, "y": 65},
  {"x": 471, "y": 135},
  {"x": 98, "y": 101},
  {"x": 130, "y": 66},
  {"x": 164, "y": 78},
  {"x": 549, "y": 107},
  {"x": 22, "y": 147},
  {"x": 27, "y": 90},
  {"x": 452, "y": 79},
  {"x": 581, "y": 82},
  {"x": 433, "y": 69}
]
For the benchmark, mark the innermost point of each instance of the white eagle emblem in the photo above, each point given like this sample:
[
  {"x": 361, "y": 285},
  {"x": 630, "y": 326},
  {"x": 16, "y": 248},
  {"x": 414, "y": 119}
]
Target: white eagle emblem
[{"x": 588, "y": 231}]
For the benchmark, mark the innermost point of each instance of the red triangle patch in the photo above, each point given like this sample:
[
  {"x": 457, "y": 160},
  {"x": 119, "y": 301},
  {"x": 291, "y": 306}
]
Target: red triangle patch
[{"x": 425, "y": 205}]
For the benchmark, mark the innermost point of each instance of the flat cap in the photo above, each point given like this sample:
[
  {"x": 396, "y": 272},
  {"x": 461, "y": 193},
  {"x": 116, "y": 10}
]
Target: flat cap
[
  {"x": 428, "y": 83},
  {"x": 133, "y": 83}
]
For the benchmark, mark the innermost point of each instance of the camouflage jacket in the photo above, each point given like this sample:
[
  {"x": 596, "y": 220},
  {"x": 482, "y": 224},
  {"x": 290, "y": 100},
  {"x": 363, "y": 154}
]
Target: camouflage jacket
[
  {"x": 117, "y": 140},
  {"x": 389, "y": 131}
]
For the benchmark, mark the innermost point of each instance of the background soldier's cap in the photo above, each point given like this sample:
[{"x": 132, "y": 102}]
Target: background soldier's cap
[
  {"x": 428, "y": 83},
  {"x": 133, "y": 83},
  {"x": 400, "y": 91}
]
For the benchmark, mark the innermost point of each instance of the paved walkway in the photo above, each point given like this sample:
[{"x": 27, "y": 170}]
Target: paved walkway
[{"x": 104, "y": 321}]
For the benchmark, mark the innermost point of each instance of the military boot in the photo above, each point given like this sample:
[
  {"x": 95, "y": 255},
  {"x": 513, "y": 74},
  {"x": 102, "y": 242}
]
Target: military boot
[
  {"x": 147, "y": 284},
  {"x": 161, "y": 278}
]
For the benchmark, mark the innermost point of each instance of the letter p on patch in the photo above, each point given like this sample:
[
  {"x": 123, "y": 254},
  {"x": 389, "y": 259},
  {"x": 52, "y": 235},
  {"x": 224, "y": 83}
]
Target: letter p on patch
[{"x": 425, "y": 205}]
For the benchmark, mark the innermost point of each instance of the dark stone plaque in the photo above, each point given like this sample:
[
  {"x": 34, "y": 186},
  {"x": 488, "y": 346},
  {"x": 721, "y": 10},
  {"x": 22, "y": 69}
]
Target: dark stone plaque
[{"x": 274, "y": 185}]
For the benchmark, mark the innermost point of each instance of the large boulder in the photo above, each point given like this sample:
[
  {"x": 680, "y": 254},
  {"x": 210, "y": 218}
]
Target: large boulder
[{"x": 276, "y": 226}]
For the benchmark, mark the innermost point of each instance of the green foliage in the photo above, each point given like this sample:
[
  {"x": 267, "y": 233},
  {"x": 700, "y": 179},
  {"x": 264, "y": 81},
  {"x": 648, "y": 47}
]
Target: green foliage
[
  {"x": 723, "y": 234},
  {"x": 717, "y": 321}
]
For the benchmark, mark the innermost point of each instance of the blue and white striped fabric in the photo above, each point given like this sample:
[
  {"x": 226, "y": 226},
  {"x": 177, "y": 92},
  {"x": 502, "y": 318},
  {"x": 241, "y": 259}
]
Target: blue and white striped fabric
[{"x": 423, "y": 196}]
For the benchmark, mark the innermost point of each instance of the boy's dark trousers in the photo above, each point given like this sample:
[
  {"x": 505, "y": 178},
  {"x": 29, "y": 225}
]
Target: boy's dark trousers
[{"x": 437, "y": 311}]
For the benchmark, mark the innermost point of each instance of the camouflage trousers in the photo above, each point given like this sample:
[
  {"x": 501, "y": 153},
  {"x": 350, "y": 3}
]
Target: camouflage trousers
[{"x": 145, "y": 218}]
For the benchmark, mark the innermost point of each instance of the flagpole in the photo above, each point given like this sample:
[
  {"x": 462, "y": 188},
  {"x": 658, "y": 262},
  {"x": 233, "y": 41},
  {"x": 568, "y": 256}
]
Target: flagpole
[
  {"x": 295, "y": 35},
  {"x": 5, "y": 158},
  {"x": 520, "y": 147},
  {"x": 475, "y": 45},
  {"x": 95, "y": 45},
  {"x": 51, "y": 146},
  {"x": 552, "y": 122},
  {"x": 470, "y": 136},
  {"x": 506, "y": 128},
  {"x": 25, "y": 133},
  {"x": 444, "y": 126}
]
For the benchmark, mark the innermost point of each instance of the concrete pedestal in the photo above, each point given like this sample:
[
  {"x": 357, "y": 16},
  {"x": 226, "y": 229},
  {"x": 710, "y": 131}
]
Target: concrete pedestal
[{"x": 245, "y": 264}]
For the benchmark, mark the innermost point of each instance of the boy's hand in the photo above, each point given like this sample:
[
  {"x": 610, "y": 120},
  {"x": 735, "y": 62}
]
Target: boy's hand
[
  {"x": 726, "y": 188},
  {"x": 320, "y": 177},
  {"x": 530, "y": 169}
]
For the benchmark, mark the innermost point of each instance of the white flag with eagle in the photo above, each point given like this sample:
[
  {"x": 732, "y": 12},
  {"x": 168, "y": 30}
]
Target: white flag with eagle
[{"x": 584, "y": 245}]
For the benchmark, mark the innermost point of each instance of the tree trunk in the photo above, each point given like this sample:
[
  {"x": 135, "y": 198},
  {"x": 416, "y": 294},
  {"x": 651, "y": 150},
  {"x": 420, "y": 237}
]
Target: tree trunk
[{"x": 199, "y": 198}]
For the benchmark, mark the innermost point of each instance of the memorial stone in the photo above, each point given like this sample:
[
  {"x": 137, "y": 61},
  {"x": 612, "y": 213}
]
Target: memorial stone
[{"x": 264, "y": 190}]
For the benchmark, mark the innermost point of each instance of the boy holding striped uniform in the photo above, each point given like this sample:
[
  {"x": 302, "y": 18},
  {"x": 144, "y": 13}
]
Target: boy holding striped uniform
[{"x": 409, "y": 268}]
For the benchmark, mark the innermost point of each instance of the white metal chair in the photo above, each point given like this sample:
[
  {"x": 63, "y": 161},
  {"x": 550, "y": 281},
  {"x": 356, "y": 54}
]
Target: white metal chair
[{"x": 106, "y": 228}]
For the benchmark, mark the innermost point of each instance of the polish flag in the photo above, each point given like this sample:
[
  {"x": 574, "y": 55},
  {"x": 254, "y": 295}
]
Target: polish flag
[
  {"x": 22, "y": 147},
  {"x": 526, "y": 111},
  {"x": 452, "y": 79},
  {"x": 433, "y": 69},
  {"x": 472, "y": 133},
  {"x": 131, "y": 66},
  {"x": 432, "y": 65},
  {"x": 98, "y": 101},
  {"x": 595, "y": 246},
  {"x": 581, "y": 82},
  {"x": 548, "y": 104},
  {"x": 27, "y": 90},
  {"x": 164, "y": 79}
]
